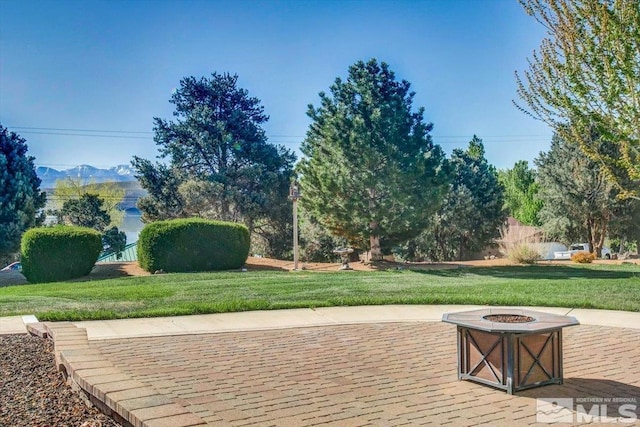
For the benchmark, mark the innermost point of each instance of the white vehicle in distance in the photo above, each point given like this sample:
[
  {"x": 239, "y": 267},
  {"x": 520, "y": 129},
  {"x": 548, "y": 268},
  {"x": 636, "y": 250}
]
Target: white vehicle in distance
[
  {"x": 580, "y": 247},
  {"x": 13, "y": 266}
]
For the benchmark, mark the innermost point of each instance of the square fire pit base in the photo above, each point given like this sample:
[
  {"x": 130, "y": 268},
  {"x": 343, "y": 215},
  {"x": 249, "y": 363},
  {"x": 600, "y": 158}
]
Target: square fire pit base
[{"x": 510, "y": 349}]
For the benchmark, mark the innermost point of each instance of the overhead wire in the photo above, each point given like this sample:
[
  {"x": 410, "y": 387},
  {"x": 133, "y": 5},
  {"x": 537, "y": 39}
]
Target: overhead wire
[
  {"x": 95, "y": 132},
  {"x": 282, "y": 139}
]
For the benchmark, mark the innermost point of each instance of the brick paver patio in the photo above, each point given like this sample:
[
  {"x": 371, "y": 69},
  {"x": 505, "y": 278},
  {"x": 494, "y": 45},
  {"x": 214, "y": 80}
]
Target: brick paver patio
[{"x": 388, "y": 374}]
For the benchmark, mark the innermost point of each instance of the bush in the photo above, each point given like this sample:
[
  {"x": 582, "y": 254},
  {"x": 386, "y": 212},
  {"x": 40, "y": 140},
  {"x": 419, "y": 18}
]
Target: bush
[
  {"x": 583, "y": 257},
  {"x": 192, "y": 245},
  {"x": 523, "y": 253},
  {"x": 316, "y": 242},
  {"x": 58, "y": 253},
  {"x": 519, "y": 245}
]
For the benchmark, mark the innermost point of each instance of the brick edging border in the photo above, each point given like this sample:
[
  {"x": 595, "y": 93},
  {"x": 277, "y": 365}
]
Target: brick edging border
[{"x": 128, "y": 401}]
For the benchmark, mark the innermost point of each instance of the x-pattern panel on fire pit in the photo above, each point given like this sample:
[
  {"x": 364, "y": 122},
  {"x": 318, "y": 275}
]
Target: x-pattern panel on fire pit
[{"x": 511, "y": 349}]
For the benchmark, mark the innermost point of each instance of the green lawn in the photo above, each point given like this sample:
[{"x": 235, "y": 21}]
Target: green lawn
[{"x": 614, "y": 287}]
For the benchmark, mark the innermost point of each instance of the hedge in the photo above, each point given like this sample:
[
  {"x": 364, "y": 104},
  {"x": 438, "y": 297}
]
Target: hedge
[
  {"x": 51, "y": 254},
  {"x": 192, "y": 244}
]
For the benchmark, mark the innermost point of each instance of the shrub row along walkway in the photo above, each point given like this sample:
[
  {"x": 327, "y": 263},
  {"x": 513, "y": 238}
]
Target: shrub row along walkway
[{"x": 382, "y": 373}]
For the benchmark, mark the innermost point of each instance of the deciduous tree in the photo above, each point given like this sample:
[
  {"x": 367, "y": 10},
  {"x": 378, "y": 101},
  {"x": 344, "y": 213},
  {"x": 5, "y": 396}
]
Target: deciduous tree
[
  {"x": 371, "y": 173},
  {"x": 521, "y": 199},
  {"x": 585, "y": 78}
]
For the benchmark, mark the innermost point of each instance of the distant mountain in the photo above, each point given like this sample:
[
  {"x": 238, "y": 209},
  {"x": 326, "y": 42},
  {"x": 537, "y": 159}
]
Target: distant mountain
[{"x": 120, "y": 173}]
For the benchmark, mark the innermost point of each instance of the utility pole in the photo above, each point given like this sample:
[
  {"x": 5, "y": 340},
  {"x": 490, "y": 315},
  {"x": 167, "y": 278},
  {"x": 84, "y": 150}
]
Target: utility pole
[{"x": 294, "y": 195}]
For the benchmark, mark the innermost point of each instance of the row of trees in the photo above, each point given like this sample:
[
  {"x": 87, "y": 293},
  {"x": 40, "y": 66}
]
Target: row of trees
[
  {"x": 584, "y": 82},
  {"x": 569, "y": 196},
  {"x": 372, "y": 178},
  {"x": 372, "y": 175}
]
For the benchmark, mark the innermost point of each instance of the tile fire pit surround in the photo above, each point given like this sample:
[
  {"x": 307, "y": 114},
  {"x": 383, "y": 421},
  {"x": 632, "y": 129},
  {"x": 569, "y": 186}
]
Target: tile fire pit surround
[{"x": 510, "y": 349}]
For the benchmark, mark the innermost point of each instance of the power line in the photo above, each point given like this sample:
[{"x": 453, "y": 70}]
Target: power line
[
  {"x": 483, "y": 137},
  {"x": 74, "y": 133},
  {"x": 437, "y": 139},
  {"x": 75, "y": 165},
  {"x": 79, "y": 130},
  {"x": 105, "y": 198},
  {"x": 88, "y": 135},
  {"x": 117, "y": 136}
]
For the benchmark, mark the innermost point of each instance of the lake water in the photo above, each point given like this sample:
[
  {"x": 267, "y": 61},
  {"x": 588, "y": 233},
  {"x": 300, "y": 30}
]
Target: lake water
[{"x": 132, "y": 225}]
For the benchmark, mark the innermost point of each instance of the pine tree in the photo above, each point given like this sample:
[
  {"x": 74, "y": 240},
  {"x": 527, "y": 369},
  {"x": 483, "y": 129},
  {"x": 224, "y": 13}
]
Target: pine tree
[
  {"x": 472, "y": 213},
  {"x": 371, "y": 173},
  {"x": 217, "y": 160},
  {"x": 21, "y": 200},
  {"x": 579, "y": 202},
  {"x": 110, "y": 194}
]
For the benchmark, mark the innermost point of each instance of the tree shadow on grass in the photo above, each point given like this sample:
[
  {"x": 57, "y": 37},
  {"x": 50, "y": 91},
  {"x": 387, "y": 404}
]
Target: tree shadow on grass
[
  {"x": 112, "y": 270},
  {"x": 546, "y": 272}
]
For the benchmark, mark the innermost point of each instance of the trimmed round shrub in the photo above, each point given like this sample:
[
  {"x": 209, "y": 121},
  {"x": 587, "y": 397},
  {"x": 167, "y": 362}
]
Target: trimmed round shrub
[
  {"x": 52, "y": 254},
  {"x": 583, "y": 257},
  {"x": 192, "y": 244}
]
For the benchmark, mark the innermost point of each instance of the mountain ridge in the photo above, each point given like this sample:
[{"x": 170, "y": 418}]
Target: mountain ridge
[{"x": 88, "y": 173}]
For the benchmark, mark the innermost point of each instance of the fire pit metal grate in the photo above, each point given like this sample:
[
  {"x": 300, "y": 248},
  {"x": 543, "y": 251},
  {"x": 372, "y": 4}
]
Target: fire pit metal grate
[{"x": 508, "y": 318}]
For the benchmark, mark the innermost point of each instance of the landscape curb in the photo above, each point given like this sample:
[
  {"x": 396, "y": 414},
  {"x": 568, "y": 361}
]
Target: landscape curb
[{"x": 129, "y": 402}]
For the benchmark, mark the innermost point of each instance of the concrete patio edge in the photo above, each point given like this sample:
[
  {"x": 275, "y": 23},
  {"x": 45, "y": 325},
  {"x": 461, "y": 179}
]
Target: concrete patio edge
[
  {"x": 305, "y": 317},
  {"x": 292, "y": 318}
]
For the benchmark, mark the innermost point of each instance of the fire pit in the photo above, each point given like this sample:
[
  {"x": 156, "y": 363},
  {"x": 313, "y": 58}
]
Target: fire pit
[{"x": 511, "y": 349}]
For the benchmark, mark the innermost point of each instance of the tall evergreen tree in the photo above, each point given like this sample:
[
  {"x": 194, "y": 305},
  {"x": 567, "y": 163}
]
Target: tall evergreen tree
[
  {"x": 20, "y": 197},
  {"x": 579, "y": 202},
  {"x": 623, "y": 228},
  {"x": 471, "y": 216},
  {"x": 216, "y": 144},
  {"x": 371, "y": 173}
]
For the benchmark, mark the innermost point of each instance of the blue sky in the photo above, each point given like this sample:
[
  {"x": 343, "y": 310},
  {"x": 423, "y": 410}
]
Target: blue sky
[{"x": 83, "y": 66}]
